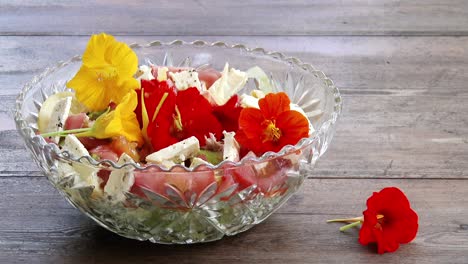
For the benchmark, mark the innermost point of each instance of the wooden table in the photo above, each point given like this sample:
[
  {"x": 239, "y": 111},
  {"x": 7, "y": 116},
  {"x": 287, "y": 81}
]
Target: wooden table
[{"x": 402, "y": 68}]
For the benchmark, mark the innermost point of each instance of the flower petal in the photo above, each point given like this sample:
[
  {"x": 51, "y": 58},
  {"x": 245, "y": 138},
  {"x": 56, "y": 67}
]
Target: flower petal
[
  {"x": 107, "y": 72},
  {"x": 197, "y": 116},
  {"x": 388, "y": 220},
  {"x": 366, "y": 236},
  {"x": 124, "y": 59},
  {"x": 228, "y": 114},
  {"x": 121, "y": 121},
  {"x": 273, "y": 104},
  {"x": 127, "y": 120},
  {"x": 293, "y": 126},
  {"x": 122, "y": 88},
  {"x": 95, "y": 53},
  {"x": 89, "y": 90},
  {"x": 250, "y": 122}
]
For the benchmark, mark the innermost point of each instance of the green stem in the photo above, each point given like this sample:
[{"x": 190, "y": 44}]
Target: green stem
[
  {"x": 348, "y": 226},
  {"x": 66, "y": 132},
  {"x": 347, "y": 220}
]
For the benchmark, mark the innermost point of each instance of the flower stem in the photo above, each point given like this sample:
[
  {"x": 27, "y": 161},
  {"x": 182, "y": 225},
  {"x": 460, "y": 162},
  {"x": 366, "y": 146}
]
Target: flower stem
[
  {"x": 348, "y": 226},
  {"x": 347, "y": 220},
  {"x": 65, "y": 132}
]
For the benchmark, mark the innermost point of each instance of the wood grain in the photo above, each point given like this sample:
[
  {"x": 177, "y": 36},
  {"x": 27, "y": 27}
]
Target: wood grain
[
  {"x": 402, "y": 67},
  {"x": 51, "y": 230},
  {"x": 359, "y": 65},
  {"x": 404, "y": 100},
  {"x": 209, "y": 17}
]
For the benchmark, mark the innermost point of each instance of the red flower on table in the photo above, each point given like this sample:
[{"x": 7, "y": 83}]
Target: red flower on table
[
  {"x": 271, "y": 127},
  {"x": 388, "y": 220}
]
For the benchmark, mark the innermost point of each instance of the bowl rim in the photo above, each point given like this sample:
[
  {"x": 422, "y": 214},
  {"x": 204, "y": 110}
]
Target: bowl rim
[{"x": 27, "y": 132}]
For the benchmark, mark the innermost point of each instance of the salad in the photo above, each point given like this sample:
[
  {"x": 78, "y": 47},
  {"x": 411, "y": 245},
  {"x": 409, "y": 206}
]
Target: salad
[{"x": 119, "y": 111}]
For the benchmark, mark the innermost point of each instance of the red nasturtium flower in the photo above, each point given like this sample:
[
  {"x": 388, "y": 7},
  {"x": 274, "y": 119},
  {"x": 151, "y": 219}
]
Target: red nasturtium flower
[
  {"x": 228, "y": 114},
  {"x": 196, "y": 117},
  {"x": 271, "y": 127},
  {"x": 388, "y": 220},
  {"x": 154, "y": 91},
  {"x": 181, "y": 116}
]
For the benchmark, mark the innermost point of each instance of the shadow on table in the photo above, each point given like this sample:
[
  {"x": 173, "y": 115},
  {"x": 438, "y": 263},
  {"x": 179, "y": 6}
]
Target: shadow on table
[{"x": 96, "y": 244}]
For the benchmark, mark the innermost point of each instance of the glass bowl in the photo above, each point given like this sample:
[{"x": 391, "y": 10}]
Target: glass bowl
[{"x": 181, "y": 205}]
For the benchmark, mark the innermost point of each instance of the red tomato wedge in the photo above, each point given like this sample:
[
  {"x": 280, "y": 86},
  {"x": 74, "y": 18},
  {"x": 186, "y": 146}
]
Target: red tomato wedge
[
  {"x": 209, "y": 76},
  {"x": 186, "y": 183}
]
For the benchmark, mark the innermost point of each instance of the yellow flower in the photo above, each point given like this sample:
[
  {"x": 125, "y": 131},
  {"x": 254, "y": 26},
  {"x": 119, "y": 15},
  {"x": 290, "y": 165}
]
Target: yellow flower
[
  {"x": 121, "y": 121},
  {"x": 106, "y": 74}
]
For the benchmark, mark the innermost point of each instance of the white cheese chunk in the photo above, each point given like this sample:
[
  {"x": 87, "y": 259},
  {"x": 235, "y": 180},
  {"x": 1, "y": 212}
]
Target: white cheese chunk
[
  {"x": 252, "y": 99},
  {"x": 74, "y": 146},
  {"x": 59, "y": 115},
  {"x": 185, "y": 79},
  {"x": 144, "y": 73},
  {"x": 65, "y": 170},
  {"x": 231, "y": 147},
  {"x": 175, "y": 153},
  {"x": 248, "y": 101},
  {"x": 121, "y": 180},
  {"x": 162, "y": 74},
  {"x": 259, "y": 94},
  {"x": 230, "y": 82},
  {"x": 86, "y": 174}
]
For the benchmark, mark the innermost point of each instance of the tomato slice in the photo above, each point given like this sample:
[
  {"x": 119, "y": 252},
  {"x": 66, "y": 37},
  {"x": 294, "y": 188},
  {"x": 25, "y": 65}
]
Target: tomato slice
[
  {"x": 120, "y": 145},
  {"x": 209, "y": 76},
  {"x": 186, "y": 183},
  {"x": 105, "y": 152}
]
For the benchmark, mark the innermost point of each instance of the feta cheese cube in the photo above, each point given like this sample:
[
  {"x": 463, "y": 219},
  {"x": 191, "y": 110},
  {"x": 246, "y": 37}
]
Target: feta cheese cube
[
  {"x": 144, "y": 73},
  {"x": 162, "y": 74},
  {"x": 120, "y": 181},
  {"x": 230, "y": 82},
  {"x": 249, "y": 101},
  {"x": 186, "y": 79},
  {"x": 85, "y": 173},
  {"x": 59, "y": 115},
  {"x": 175, "y": 153},
  {"x": 231, "y": 147}
]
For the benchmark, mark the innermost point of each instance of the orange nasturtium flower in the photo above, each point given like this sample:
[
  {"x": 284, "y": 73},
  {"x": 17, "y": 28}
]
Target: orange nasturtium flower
[
  {"x": 106, "y": 74},
  {"x": 121, "y": 121},
  {"x": 271, "y": 127}
]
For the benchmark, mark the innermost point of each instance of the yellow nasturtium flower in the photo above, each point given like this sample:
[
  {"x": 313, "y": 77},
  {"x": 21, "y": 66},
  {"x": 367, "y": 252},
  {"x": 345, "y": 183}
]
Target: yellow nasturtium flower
[
  {"x": 121, "y": 121},
  {"x": 106, "y": 74}
]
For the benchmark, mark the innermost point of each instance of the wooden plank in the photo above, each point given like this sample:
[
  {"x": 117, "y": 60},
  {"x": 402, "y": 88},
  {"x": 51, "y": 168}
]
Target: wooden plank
[
  {"x": 208, "y": 17},
  {"x": 38, "y": 225},
  {"x": 397, "y": 122},
  {"x": 409, "y": 136},
  {"x": 359, "y": 65}
]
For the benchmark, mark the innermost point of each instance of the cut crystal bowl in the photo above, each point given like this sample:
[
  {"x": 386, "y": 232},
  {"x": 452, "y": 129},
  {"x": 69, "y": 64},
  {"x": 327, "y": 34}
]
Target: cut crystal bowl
[{"x": 181, "y": 205}]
